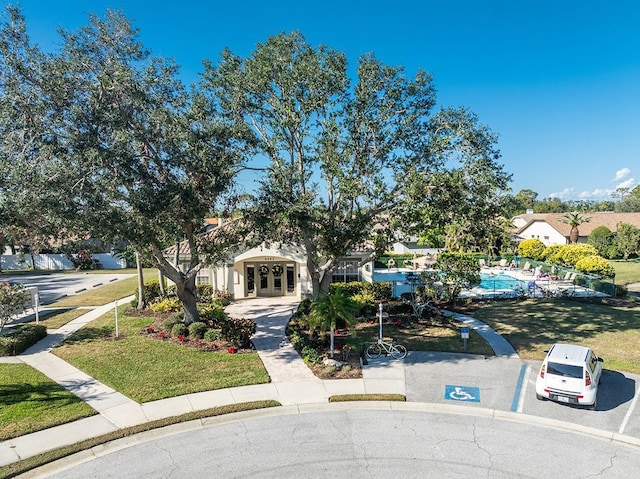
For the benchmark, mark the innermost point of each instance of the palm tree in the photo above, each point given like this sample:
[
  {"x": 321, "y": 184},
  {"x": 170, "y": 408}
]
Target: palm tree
[
  {"x": 328, "y": 309},
  {"x": 575, "y": 219}
]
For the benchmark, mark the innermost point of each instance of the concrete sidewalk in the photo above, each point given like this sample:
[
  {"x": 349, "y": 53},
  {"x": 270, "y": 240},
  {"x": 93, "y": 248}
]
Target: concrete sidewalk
[{"x": 291, "y": 380}]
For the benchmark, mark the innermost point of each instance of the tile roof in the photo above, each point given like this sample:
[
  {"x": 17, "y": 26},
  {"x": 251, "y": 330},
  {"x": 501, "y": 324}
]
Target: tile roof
[{"x": 610, "y": 220}]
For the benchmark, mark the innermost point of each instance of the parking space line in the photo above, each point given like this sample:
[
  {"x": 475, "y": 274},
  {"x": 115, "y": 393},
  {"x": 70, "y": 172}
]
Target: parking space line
[
  {"x": 629, "y": 412},
  {"x": 518, "y": 395}
]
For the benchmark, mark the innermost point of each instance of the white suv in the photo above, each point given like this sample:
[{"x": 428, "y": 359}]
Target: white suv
[{"x": 570, "y": 374}]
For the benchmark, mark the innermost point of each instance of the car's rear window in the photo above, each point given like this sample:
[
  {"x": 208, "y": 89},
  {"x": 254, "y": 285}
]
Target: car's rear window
[{"x": 565, "y": 370}]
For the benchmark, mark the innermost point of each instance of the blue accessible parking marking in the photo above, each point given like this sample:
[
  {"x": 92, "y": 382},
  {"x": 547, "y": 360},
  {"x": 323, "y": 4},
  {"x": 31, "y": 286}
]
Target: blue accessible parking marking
[{"x": 462, "y": 393}]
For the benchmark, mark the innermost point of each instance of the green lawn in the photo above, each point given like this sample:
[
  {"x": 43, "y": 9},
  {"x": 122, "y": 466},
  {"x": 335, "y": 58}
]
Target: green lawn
[
  {"x": 29, "y": 401},
  {"x": 627, "y": 271},
  {"x": 56, "y": 318},
  {"x": 531, "y": 326},
  {"x": 147, "y": 369},
  {"x": 419, "y": 337}
]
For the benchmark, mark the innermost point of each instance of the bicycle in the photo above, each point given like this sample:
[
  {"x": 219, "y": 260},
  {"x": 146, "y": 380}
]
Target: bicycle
[{"x": 374, "y": 350}]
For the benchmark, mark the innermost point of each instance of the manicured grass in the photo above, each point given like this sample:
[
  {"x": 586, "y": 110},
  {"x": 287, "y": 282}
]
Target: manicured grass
[
  {"x": 108, "y": 292},
  {"x": 29, "y": 401},
  {"x": 146, "y": 369},
  {"x": 56, "y": 318},
  {"x": 627, "y": 271},
  {"x": 531, "y": 326},
  {"x": 417, "y": 337},
  {"x": 367, "y": 397},
  {"x": 20, "y": 467}
]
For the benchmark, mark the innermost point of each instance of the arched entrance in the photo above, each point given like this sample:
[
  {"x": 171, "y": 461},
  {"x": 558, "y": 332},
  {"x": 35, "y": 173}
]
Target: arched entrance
[{"x": 270, "y": 278}]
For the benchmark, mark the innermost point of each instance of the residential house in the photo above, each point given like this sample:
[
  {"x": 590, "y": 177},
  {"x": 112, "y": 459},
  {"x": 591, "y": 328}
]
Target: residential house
[{"x": 550, "y": 229}]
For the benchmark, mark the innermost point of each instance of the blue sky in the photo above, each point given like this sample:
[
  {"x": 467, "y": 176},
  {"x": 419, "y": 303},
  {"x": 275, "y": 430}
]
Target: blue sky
[{"x": 558, "y": 81}]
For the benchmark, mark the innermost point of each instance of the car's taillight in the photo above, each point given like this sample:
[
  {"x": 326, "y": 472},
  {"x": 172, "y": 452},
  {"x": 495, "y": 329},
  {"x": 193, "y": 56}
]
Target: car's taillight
[
  {"x": 587, "y": 379},
  {"x": 542, "y": 370}
]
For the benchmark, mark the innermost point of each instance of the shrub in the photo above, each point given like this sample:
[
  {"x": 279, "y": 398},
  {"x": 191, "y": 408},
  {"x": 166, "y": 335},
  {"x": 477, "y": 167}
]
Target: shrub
[
  {"x": 151, "y": 290},
  {"x": 179, "y": 329},
  {"x": 204, "y": 293},
  {"x": 531, "y": 248},
  {"x": 212, "y": 335},
  {"x": 13, "y": 300},
  {"x": 238, "y": 331},
  {"x": 350, "y": 289},
  {"x": 197, "y": 329},
  {"x": 83, "y": 261},
  {"x": 298, "y": 340},
  {"x": 222, "y": 297},
  {"x": 595, "y": 264},
  {"x": 166, "y": 305},
  {"x": 171, "y": 321},
  {"x": 21, "y": 339},
  {"x": 212, "y": 314},
  {"x": 366, "y": 302},
  {"x": 621, "y": 291},
  {"x": 570, "y": 254},
  {"x": 310, "y": 355},
  {"x": 552, "y": 254},
  {"x": 601, "y": 238},
  {"x": 381, "y": 291}
]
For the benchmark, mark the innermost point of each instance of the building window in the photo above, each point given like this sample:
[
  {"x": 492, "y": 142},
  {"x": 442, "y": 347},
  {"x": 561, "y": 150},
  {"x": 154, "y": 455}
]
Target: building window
[
  {"x": 203, "y": 277},
  {"x": 346, "y": 272}
]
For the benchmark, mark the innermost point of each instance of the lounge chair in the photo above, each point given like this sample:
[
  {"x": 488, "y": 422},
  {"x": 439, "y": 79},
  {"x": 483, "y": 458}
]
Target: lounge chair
[
  {"x": 526, "y": 270},
  {"x": 482, "y": 262},
  {"x": 503, "y": 263}
]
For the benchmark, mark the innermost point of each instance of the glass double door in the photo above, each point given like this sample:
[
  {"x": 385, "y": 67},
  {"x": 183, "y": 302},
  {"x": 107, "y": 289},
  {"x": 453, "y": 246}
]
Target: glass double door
[{"x": 270, "y": 279}]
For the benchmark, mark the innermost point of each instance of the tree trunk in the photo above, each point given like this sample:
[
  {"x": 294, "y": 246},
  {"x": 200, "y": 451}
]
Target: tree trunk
[
  {"x": 142, "y": 300},
  {"x": 332, "y": 340},
  {"x": 186, "y": 292},
  {"x": 161, "y": 282},
  {"x": 574, "y": 235}
]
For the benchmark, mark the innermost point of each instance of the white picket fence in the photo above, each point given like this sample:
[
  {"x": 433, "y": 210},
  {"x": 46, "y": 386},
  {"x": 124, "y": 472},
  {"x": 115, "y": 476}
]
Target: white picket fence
[{"x": 54, "y": 262}]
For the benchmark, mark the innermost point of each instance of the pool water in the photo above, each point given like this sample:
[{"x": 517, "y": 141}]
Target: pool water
[
  {"x": 490, "y": 282},
  {"x": 501, "y": 281}
]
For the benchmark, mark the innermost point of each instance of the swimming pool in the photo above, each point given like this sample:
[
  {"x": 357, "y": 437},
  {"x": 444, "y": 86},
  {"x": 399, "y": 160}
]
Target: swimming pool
[
  {"x": 500, "y": 281},
  {"x": 489, "y": 282}
]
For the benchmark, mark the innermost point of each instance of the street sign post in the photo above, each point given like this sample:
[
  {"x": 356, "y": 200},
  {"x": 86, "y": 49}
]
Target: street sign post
[{"x": 464, "y": 331}]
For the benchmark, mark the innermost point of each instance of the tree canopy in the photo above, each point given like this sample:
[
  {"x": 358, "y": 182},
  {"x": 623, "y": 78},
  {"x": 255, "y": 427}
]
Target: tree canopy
[
  {"x": 105, "y": 139},
  {"x": 352, "y": 162}
]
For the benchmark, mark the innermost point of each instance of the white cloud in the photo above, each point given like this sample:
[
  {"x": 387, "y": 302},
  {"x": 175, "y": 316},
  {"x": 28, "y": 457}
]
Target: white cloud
[
  {"x": 565, "y": 194},
  {"x": 626, "y": 184},
  {"x": 622, "y": 180},
  {"x": 621, "y": 174},
  {"x": 598, "y": 193}
]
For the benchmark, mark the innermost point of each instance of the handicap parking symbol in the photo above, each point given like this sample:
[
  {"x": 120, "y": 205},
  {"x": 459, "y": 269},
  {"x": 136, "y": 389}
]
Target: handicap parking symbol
[{"x": 462, "y": 393}]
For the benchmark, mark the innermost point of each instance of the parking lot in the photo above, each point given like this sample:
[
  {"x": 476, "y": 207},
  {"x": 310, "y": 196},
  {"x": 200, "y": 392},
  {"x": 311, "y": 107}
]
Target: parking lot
[{"x": 509, "y": 384}]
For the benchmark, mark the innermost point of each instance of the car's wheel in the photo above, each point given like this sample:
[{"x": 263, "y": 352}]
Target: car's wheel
[
  {"x": 592, "y": 407},
  {"x": 541, "y": 398}
]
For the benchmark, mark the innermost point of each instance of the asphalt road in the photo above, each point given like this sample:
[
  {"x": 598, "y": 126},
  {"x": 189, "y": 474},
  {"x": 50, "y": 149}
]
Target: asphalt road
[
  {"x": 55, "y": 286},
  {"x": 366, "y": 443}
]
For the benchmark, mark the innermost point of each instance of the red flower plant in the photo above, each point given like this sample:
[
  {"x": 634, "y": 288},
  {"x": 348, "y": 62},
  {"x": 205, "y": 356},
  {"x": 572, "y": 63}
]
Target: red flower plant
[
  {"x": 161, "y": 335},
  {"x": 150, "y": 330},
  {"x": 182, "y": 338},
  {"x": 232, "y": 350}
]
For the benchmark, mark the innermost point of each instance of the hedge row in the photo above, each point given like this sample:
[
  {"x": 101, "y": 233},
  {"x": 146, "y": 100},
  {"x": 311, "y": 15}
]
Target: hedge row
[{"x": 21, "y": 339}]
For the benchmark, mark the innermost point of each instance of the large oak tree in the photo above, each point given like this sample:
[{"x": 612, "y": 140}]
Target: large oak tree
[
  {"x": 107, "y": 140},
  {"x": 354, "y": 158}
]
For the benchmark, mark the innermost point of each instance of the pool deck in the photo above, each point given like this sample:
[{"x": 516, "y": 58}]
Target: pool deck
[{"x": 542, "y": 288}]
